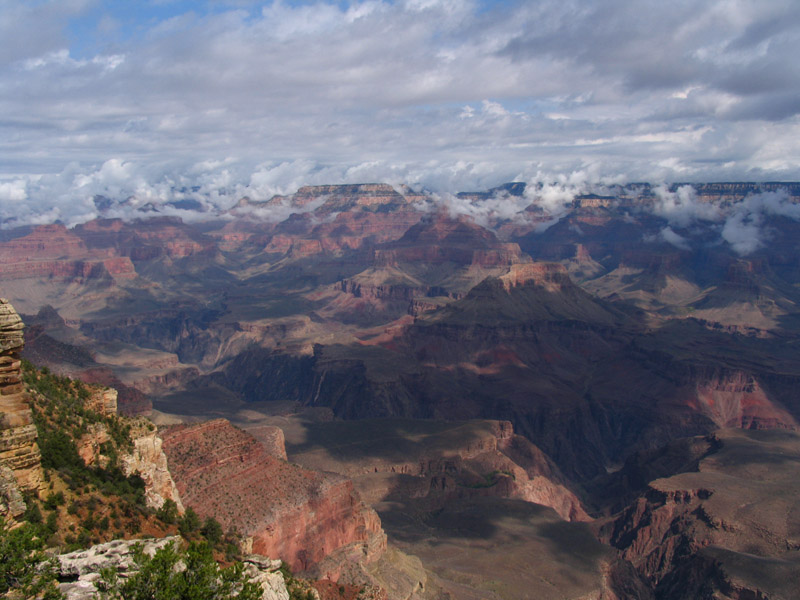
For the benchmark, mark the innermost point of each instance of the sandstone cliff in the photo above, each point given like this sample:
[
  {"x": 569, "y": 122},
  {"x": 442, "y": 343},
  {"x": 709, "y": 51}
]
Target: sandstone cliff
[
  {"x": 289, "y": 512},
  {"x": 148, "y": 460},
  {"x": 19, "y": 452}
]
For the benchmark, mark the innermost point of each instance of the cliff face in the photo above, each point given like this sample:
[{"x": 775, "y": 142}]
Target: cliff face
[
  {"x": 53, "y": 251},
  {"x": 737, "y": 399},
  {"x": 289, "y": 512},
  {"x": 18, "y": 449},
  {"x": 439, "y": 239},
  {"x": 728, "y": 528},
  {"x": 435, "y": 463},
  {"x": 150, "y": 462},
  {"x": 146, "y": 458}
]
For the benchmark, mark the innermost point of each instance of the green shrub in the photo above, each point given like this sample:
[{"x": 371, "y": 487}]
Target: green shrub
[
  {"x": 54, "y": 500},
  {"x": 21, "y": 548},
  {"x": 159, "y": 578},
  {"x": 32, "y": 514},
  {"x": 212, "y": 530},
  {"x": 189, "y": 523},
  {"x": 168, "y": 513}
]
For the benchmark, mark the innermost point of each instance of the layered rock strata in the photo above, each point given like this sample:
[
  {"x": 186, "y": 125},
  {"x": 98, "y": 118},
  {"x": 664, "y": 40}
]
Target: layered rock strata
[
  {"x": 12, "y": 504},
  {"x": 286, "y": 511},
  {"x": 19, "y": 451}
]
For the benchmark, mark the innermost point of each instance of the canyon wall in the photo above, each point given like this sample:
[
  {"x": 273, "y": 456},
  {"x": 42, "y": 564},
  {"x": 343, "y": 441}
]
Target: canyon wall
[
  {"x": 725, "y": 528},
  {"x": 286, "y": 511},
  {"x": 148, "y": 460},
  {"x": 19, "y": 452}
]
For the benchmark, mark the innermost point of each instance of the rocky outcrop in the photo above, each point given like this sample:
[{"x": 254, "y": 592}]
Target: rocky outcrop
[
  {"x": 266, "y": 573},
  {"x": 103, "y": 401},
  {"x": 18, "y": 448},
  {"x": 148, "y": 460},
  {"x": 130, "y": 401},
  {"x": 286, "y": 511},
  {"x": 272, "y": 439},
  {"x": 549, "y": 276},
  {"x": 12, "y": 503},
  {"x": 79, "y": 571},
  {"x": 727, "y": 529}
]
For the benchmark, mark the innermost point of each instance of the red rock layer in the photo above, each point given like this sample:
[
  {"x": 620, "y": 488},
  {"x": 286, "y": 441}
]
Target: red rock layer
[
  {"x": 291, "y": 513},
  {"x": 18, "y": 448},
  {"x": 52, "y": 251},
  {"x": 46, "y": 242},
  {"x": 440, "y": 239},
  {"x": 737, "y": 399},
  {"x": 347, "y": 231},
  {"x": 69, "y": 269}
]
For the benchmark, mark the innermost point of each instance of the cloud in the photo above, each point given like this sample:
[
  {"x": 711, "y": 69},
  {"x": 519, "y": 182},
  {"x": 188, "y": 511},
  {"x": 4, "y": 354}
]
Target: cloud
[
  {"x": 743, "y": 232},
  {"x": 745, "y": 229},
  {"x": 669, "y": 236},
  {"x": 744, "y": 225},
  {"x": 682, "y": 207},
  {"x": 447, "y": 94}
]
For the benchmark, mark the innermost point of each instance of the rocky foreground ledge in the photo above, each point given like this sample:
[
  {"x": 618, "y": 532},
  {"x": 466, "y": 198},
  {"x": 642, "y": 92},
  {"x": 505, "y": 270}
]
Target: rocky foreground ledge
[{"x": 80, "y": 571}]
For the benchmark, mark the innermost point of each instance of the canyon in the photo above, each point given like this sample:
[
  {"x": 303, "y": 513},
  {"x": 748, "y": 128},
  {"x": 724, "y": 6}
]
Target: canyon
[
  {"x": 359, "y": 377},
  {"x": 283, "y": 510}
]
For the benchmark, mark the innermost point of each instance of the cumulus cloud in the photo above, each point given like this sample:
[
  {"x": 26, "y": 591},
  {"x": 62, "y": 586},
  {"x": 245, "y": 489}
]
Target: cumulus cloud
[
  {"x": 744, "y": 225},
  {"x": 485, "y": 212},
  {"x": 682, "y": 207},
  {"x": 742, "y": 230},
  {"x": 745, "y": 229},
  {"x": 677, "y": 240}
]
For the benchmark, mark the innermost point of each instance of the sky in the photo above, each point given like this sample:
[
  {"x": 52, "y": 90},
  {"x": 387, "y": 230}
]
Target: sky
[{"x": 158, "y": 99}]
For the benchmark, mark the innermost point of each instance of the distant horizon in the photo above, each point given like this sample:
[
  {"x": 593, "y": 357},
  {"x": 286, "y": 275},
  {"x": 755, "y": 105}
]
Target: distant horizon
[{"x": 686, "y": 216}]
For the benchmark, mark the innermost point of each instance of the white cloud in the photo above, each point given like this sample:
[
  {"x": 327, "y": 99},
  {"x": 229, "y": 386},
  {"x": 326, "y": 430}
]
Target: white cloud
[
  {"x": 682, "y": 207},
  {"x": 742, "y": 231},
  {"x": 449, "y": 94},
  {"x": 677, "y": 240},
  {"x": 744, "y": 228},
  {"x": 13, "y": 191}
]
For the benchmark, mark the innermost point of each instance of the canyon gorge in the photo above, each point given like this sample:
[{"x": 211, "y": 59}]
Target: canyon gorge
[{"x": 436, "y": 399}]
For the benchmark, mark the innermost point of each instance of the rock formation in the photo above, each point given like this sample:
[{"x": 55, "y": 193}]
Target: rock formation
[
  {"x": 436, "y": 462},
  {"x": 18, "y": 449},
  {"x": 80, "y": 570},
  {"x": 298, "y": 515},
  {"x": 12, "y": 503},
  {"x": 727, "y": 527},
  {"x": 148, "y": 460}
]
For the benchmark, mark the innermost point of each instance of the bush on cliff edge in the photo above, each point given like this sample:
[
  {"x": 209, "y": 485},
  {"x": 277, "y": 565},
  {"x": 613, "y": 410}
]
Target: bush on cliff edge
[{"x": 173, "y": 574}]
